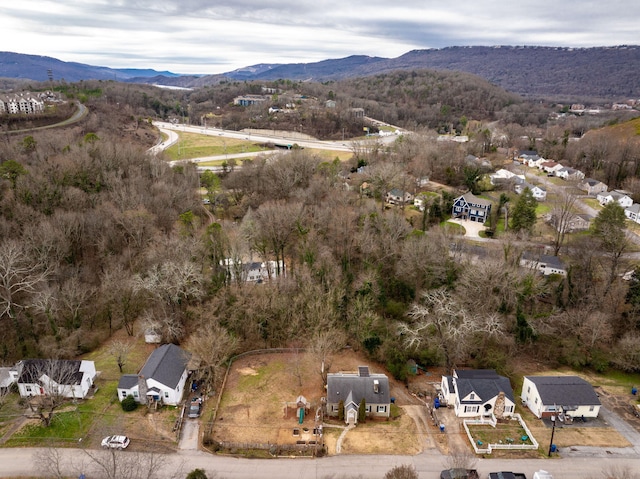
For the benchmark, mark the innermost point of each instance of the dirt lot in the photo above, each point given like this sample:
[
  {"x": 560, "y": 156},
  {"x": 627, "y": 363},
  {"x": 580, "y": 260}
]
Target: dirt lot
[{"x": 253, "y": 408}]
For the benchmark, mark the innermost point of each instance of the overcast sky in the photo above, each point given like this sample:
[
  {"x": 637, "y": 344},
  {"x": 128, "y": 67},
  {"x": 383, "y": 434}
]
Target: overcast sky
[{"x": 207, "y": 36}]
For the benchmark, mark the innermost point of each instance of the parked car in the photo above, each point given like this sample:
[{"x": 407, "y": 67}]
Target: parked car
[
  {"x": 195, "y": 407},
  {"x": 541, "y": 474},
  {"x": 459, "y": 474},
  {"x": 115, "y": 442},
  {"x": 507, "y": 475}
]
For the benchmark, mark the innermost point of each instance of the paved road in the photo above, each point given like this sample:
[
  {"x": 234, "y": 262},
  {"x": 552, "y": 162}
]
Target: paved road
[{"x": 20, "y": 462}]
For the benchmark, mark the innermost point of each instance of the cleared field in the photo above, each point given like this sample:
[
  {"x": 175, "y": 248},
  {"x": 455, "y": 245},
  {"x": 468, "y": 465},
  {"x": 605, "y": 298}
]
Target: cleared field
[{"x": 193, "y": 145}]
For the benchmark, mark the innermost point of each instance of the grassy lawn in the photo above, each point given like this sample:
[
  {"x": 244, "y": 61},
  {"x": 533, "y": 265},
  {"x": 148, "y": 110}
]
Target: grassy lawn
[
  {"x": 503, "y": 433},
  {"x": 99, "y": 415},
  {"x": 193, "y": 145}
]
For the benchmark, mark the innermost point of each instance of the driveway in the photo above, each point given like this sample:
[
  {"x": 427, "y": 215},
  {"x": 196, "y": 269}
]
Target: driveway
[
  {"x": 189, "y": 435},
  {"x": 472, "y": 228}
]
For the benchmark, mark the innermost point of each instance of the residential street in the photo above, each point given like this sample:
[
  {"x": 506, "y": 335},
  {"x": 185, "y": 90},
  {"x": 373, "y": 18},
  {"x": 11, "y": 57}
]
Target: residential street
[{"x": 20, "y": 462}]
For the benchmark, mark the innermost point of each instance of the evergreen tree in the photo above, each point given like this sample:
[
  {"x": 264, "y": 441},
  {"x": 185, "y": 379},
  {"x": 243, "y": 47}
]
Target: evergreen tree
[
  {"x": 523, "y": 216},
  {"x": 362, "y": 411}
]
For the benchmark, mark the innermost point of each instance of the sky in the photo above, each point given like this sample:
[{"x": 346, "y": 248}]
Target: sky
[{"x": 207, "y": 36}]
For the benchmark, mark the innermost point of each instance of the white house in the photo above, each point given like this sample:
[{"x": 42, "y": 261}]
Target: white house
[
  {"x": 502, "y": 176},
  {"x": 550, "y": 166},
  {"x": 161, "y": 379},
  {"x": 478, "y": 392},
  {"x": 560, "y": 396},
  {"x": 633, "y": 212},
  {"x": 253, "y": 271},
  {"x": 59, "y": 377},
  {"x": 538, "y": 192},
  {"x": 569, "y": 174},
  {"x": 543, "y": 263},
  {"x": 608, "y": 197}
]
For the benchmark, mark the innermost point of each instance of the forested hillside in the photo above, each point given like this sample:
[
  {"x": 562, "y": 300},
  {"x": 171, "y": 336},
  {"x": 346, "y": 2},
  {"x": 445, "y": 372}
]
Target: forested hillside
[{"x": 96, "y": 235}]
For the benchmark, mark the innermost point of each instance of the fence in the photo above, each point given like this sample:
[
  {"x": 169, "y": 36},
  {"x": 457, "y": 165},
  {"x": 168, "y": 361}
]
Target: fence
[
  {"x": 209, "y": 430},
  {"x": 490, "y": 447},
  {"x": 274, "y": 449}
]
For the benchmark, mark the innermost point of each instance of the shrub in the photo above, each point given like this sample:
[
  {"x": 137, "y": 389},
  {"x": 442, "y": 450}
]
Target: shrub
[
  {"x": 129, "y": 403},
  {"x": 197, "y": 474}
]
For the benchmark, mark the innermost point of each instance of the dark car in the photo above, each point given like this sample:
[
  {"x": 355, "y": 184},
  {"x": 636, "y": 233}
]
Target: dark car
[
  {"x": 459, "y": 474},
  {"x": 194, "y": 408}
]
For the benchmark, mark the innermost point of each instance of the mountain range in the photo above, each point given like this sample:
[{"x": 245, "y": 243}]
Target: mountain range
[{"x": 599, "y": 73}]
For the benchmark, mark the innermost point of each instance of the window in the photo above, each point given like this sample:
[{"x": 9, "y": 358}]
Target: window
[
  {"x": 166, "y": 394},
  {"x": 592, "y": 408},
  {"x": 536, "y": 401},
  {"x": 368, "y": 408},
  {"x": 382, "y": 408},
  {"x": 471, "y": 408},
  {"x": 135, "y": 394},
  {"x": 124, "y": 394},
  {"x": 529, "y": 389},
  {"x": 472, "y": 396},
  {"x": 28, "y": 388}
]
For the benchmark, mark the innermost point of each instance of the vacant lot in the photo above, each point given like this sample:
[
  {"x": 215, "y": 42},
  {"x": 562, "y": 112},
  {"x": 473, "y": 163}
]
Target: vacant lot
[{"x": 254, "y": 405}]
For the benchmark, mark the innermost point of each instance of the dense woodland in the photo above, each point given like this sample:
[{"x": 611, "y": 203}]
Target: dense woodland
[{"x": 96, "y": 235}]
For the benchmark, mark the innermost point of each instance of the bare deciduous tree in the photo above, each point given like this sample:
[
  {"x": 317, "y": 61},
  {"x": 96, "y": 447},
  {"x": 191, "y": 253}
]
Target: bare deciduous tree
[
  {"x": 120, "y": 351},
  {"x": 20, "y": 277},
  {"x": 440, "y": 316},
  {"x": 212, "y": 345}
]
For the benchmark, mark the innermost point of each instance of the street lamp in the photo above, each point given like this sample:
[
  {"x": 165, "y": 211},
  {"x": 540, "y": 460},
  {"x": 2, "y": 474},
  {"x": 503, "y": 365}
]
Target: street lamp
[{"x": 553, "y": 430}]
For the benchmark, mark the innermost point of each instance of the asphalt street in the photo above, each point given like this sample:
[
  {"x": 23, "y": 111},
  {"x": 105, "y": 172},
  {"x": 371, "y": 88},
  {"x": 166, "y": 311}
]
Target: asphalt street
[{"x": 21, "y": 462}]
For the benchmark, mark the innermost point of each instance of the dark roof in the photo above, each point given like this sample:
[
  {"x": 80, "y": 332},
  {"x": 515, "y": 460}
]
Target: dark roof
[
  {"x": 565, "y": 390},
  {"x": 486, "y": 383},
  {"x": 166, "y": 365},
  {"x": 473, "y": 199},
  {"x": 345, "y": 386},
  {"x": 127, "y": 381},
  {"x": 62, "y": 371},
  {"x": 552, "y": 261},
  {"x": 507, "y": 475}
]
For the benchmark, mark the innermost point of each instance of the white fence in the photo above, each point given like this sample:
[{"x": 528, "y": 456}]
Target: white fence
[{"x": 492, "y": 421}]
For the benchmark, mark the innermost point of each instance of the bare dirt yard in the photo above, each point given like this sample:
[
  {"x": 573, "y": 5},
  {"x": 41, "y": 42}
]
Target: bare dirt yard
[{"x": 258, "y": 406}]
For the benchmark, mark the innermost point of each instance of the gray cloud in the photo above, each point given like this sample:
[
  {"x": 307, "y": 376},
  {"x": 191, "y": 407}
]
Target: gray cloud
[{"x": 200, "y": 36}]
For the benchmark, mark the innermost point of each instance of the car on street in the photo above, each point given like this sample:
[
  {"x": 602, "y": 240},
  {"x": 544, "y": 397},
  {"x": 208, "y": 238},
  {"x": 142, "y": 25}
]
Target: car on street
[{"x": 115, "y": 442}]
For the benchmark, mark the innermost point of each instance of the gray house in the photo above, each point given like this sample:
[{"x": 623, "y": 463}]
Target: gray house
[{"x": 352, "y": 388}]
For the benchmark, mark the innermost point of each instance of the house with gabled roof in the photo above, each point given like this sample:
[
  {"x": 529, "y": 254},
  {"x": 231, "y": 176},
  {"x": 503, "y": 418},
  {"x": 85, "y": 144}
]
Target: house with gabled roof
[
  {"x": 478, "y": 392},
  {"x": 348, "y": 389},
  {"x": 575, "y": 222},
  {"x": 569, "y": 174},
  {"x": 550, "y": 166},
  {"x": 620, "y": 197},
  {"x": 545, "y": 264},
  {"x": 592, "y": 187},
  {"x": 70, "y": 378},
  {"x": 538, "y": 192},
  {"x": 560, "y": 396},
  {"x": 396, "y": 196},
  {"x": 470, "y": 207},
  {"x": 633, "y": 212},
  {"x": 161, "y": 380}
]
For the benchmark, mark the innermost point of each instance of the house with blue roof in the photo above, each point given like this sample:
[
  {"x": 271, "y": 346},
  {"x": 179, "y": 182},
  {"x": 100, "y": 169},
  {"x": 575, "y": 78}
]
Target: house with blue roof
[
  {"x": 478, "y": 392},
  {"x": 161, "y": 380}
]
